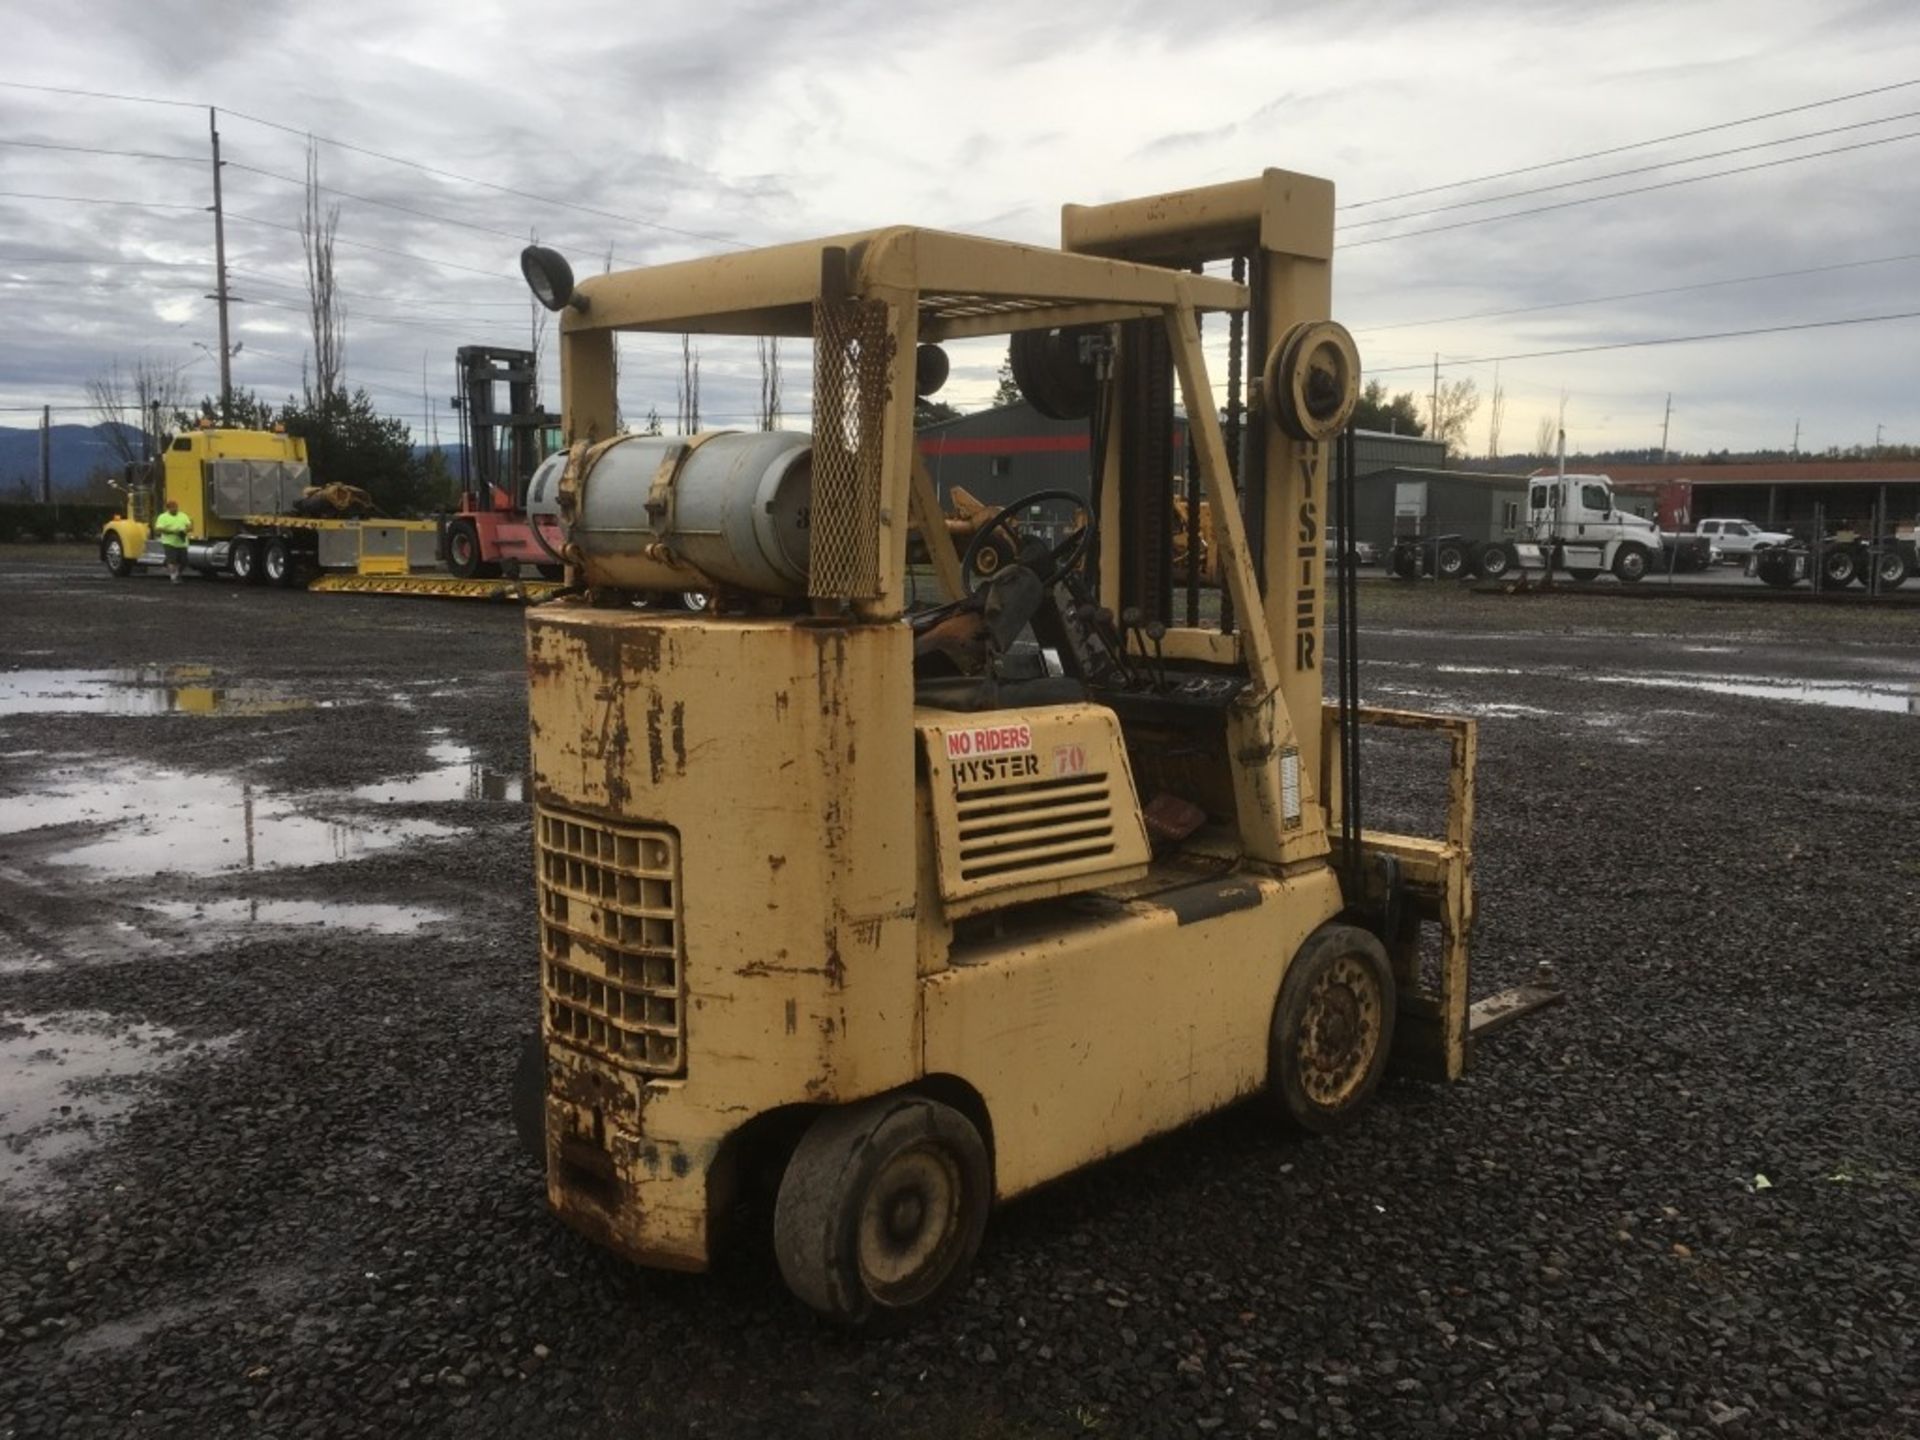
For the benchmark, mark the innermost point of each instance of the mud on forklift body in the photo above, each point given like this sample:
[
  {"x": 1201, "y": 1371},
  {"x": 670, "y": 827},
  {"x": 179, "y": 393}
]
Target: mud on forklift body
[{"x": 910, "y": 908}]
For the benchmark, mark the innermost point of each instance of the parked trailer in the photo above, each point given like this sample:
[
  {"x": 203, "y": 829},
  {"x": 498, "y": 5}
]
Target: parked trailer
[
  {"x": 242, "y": 489},
  {"x": 1455, "y": 525}
]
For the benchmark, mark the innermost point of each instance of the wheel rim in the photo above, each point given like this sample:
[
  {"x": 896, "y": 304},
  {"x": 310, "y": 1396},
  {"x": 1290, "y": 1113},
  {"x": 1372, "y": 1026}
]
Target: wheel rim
[
  {"x": 1451, "y": 562},
  {"x": 910, "y": 1225},
  {"x": 1495, "y": 562},
  {"x": 1892, "y": 568},
  {"x": 114, "y": 553},
  {"x": 1340, "y": 1032},
  {"x": 696, "y": 601},
  {"x": 243, "y": 560},
  {"x": 1633, "y": 564},
  {"x": 276, "y": 562},
  {"x": 460, "y": 546}
]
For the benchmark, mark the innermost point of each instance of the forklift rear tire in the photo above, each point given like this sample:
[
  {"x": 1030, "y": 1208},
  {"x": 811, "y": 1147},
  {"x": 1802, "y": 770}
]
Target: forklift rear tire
[
  {"x": 277, "y": 563},
  {"x": 881, "y": 1210},
  {"x": 1332, "y": 1029}
]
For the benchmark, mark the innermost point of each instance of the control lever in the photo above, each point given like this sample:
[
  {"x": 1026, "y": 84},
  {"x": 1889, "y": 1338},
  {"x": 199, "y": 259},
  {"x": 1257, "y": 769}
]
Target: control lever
[{"x": 1156, "y": 633}]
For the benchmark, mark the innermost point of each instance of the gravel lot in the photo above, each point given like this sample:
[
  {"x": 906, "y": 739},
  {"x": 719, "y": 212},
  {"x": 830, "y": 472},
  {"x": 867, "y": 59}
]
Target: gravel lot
[{"x": 256, "y": 1173}]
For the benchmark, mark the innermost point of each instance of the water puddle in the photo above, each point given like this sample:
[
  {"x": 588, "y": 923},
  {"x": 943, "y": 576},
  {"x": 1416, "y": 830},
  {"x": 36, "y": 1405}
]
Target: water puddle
[
  {"x": 456, "y": 774},
  {"x": 160, "y": 821},
  {"x": 143, "y": 690},
  {"x": 64, "y": 1078},
  {"x": 1892, "y": 697},
  {"x": 366, "y": 919}
]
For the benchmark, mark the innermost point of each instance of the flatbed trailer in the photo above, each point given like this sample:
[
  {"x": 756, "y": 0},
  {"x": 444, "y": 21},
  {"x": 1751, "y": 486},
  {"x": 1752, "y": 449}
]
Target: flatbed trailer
[{"x": 241, "y": 487}]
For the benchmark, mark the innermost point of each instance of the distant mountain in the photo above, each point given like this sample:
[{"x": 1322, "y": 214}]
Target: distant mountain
[{"x": 78, "y": 453}]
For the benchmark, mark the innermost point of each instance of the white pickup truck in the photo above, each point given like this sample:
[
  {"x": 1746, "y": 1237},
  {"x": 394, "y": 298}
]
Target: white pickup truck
[{"x": 1737, "y": 540}]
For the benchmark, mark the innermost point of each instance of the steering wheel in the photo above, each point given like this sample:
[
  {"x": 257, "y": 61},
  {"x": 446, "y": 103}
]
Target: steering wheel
[{"x": 1059, "y": 560}]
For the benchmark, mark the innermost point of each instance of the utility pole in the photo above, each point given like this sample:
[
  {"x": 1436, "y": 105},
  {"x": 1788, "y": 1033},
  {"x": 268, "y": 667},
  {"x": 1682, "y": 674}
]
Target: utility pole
[
  {"x": 46, "y": 454},
  {"x": 1663, "y": 428},
  {"x": 220, "y": 272},
  {"x": 1878, "y": 430},
  {"x": 1796, "y": 437},
  {"x": 1433, "y": 428}
]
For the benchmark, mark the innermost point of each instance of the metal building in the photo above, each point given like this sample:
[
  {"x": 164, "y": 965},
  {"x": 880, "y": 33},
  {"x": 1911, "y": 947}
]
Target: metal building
[{"x": 1001, "y": 454}]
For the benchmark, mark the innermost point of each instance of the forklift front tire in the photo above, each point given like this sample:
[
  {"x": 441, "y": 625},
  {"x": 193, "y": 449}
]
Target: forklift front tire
[
  {"x": 881, "y": 1210},
  {"x": 1332, "y": 1029}
]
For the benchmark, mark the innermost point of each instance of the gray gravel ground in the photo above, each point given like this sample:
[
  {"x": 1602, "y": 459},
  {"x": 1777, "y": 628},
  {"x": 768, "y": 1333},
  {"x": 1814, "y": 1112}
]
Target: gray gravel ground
[{"x": 284, "y": 1196}]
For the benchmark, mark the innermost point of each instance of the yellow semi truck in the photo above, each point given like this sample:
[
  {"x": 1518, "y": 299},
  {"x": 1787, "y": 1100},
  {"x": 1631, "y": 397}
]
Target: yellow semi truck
[
  {"x": 917, "y": 911},
  {"x": 245, "y": 490}
]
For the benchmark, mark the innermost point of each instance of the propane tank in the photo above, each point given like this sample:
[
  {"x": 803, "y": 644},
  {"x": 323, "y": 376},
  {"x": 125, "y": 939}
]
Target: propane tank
[{"x": 729, "y": 505}]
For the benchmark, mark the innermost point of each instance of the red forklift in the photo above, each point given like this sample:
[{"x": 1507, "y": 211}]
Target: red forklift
[{"x": 499, "y": 449}]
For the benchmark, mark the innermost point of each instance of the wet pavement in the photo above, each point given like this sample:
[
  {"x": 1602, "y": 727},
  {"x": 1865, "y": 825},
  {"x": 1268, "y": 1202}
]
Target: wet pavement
[{"x": 265, "y": 965}]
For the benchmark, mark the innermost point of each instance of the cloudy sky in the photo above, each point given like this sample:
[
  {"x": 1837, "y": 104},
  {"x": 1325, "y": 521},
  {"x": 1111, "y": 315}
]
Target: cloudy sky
[{"x": 660, "y": 130}]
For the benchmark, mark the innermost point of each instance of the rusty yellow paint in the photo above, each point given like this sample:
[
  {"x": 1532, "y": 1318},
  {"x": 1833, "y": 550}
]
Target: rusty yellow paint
[{"x": 757, "y": 888}]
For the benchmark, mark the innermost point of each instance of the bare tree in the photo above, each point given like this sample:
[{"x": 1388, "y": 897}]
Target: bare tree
[
  {"x": 326, "y": 310},
  {"x": 136, "y": 407},
  {"x": 1543, "y": 436},
  {"x": 1496, "y": 413},
  {"x": 769, "y": 382},
  {"x": 689, "y": 387},
  {"x": 1452, "y": 407}
]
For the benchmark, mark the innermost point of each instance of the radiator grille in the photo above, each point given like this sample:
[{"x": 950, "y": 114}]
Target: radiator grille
[
  {"x": 852, "y": 351},
  {"x": 610, "y": 941},
  {"x": 1034, "y": 829}
]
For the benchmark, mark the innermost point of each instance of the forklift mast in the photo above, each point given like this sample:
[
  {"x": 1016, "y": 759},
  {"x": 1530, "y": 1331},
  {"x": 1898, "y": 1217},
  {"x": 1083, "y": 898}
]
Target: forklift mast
[{"x": 498, "y": 448}]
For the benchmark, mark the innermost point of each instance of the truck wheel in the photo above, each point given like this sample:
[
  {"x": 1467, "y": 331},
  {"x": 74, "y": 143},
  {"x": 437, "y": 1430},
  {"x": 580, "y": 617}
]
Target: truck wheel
[
  {"x": 1630, "y": 565},
  {"x": 1332, "y": 1029},
  {"x": 1891, "y": 566},
  {"x": 1775, "y": 567},
  {"x": 1404, "y": 565},
  {"x": 113, "y": 554},
  {"x": 1495, "y": 561},
  {"x": 276, "y": 562},
  {"x": 1451, "y": 561},
  {"x": 245, "y": 559},
  {"x": 881, "y": 1210},
  {"x": 1583, "y": 576},
  {"x": 1839, "y": 567},
  {"x": 464, "y": 556}
]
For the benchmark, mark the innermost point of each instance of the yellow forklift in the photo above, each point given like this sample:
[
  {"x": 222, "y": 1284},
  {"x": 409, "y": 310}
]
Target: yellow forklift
[{"x": 920, "y": 910}]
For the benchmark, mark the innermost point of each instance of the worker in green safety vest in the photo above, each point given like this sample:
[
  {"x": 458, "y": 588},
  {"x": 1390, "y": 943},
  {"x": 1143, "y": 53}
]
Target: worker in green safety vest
[{"x": 174, "y": 525}]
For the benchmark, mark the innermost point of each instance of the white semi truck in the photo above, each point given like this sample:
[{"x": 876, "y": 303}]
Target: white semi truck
[{"x": 1454, "y": 526}]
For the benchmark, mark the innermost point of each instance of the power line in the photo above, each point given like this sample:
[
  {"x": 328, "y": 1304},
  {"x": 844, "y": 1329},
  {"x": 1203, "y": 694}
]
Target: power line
[
  {"x": 1665, "y": 340},
  {"x": 98, "y": 200},
  {"x": 381, "y": 249},
  {"x": 1633, "y": 170},
  {"x": 1637, "y": 190},
  {"x": 1636, "y": 145},
  {"x": 1639, "y": 294},
  {"x": 101, "y": 95},
  {"x": 489, "y": 184},
  {"x": 96, "y": 150}
]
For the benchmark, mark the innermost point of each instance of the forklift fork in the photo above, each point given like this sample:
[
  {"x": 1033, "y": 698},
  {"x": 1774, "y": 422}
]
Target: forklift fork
[{"x": 1408, "y": 882}]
